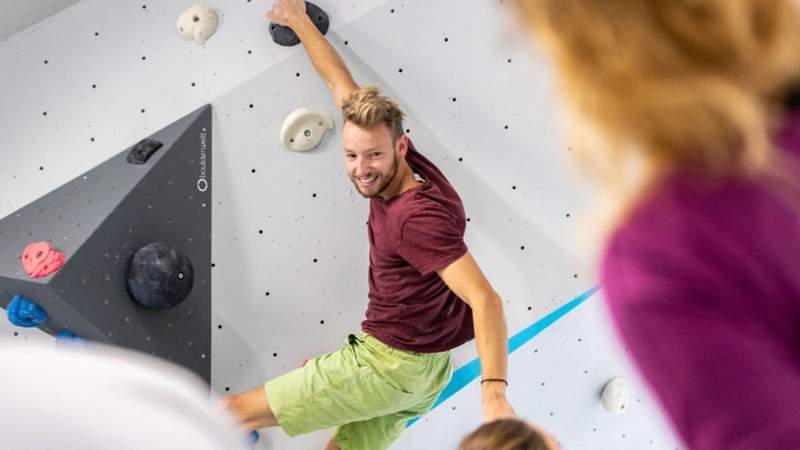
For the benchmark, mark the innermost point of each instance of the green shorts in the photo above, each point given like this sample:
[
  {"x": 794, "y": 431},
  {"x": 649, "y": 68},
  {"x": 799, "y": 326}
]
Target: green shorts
[{"x": 367, "y": 389}]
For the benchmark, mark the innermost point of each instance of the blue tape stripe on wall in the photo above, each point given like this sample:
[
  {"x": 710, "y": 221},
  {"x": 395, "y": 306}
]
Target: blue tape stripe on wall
[{"x": 472, "y": 370}]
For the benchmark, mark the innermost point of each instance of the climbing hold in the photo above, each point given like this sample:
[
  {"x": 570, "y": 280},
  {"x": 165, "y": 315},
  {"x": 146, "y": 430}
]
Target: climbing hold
[
  {"x": 159, "y": 276},
  {"x": 66, "y": 338},
  {"x": 40, "y": 260},
  {"x": 615, "y": 395},
  {"x": 25, "y": 313},
  {"x": 303, "y": 129},
  {"x": 143, "y": 150},
  {"x": 65, "y": 334},
  {"x": 253, "y": 437},
  {"x": 284, "y": 36},
  {"x": 198, "y": 23}
]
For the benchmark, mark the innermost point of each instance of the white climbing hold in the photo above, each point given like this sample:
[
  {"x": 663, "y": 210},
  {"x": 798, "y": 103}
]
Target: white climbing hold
[
  {"x": 198, "y": 23},
  {"x": 615, "y": 395},
  {"x": 303, "y": 129}
]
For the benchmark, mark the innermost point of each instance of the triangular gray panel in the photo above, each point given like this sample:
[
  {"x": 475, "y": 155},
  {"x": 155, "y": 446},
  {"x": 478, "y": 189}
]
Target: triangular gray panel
[{"x": 98, "y": 220}]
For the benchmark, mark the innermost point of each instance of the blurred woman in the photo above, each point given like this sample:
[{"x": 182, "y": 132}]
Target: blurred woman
[{"x": 694, "y": 140}]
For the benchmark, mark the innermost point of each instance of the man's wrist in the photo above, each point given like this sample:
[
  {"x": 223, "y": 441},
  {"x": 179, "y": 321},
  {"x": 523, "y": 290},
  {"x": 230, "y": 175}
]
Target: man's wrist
[
  {"x": 491, "y": 390},
  {"x": 295, "y": 22}
]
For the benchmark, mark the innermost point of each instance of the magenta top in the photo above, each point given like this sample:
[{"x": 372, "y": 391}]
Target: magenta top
[{"x": 703, "y": 285}]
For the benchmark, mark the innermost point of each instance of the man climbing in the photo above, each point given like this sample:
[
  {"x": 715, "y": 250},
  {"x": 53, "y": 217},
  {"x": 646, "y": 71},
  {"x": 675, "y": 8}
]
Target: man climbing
[{"x": 427, "y": 294}]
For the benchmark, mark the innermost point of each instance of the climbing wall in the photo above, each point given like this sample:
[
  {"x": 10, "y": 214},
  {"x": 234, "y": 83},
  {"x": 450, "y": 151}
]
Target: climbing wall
[
  {"x": 134, "y": 235},
  {"x": 289, "y": 248}
]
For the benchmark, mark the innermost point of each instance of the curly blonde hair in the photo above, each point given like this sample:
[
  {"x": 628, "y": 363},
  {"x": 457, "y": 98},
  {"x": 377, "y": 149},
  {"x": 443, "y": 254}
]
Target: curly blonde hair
[{"x": 664, "y": 84}]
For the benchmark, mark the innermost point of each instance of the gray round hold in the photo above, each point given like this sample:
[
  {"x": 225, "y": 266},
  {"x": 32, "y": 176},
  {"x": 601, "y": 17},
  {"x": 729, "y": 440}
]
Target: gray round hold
[{"x": 159, "y": 276}]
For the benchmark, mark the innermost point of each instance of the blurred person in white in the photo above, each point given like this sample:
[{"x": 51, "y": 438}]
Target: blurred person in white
[{"x": 97, "y": 397}]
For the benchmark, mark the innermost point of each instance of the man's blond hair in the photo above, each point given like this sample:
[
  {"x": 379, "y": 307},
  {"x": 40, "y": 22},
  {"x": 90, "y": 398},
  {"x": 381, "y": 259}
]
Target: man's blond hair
[{"x": 367, "y": 107}]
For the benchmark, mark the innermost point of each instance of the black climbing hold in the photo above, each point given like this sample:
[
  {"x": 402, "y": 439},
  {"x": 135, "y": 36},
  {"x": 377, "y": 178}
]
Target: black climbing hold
[
  {"x": 143, "y": 151},
  {"x": 159, "y": 276},
  {"x": 284, "y": 36}
]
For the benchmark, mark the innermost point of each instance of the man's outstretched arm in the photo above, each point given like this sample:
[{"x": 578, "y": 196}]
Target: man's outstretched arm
[
  {"x": 464, "y": 277},
  {"x": 329, "y": 65}
]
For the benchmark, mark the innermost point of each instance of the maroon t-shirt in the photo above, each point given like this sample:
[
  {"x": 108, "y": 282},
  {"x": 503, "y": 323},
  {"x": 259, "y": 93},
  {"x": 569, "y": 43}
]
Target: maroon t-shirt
[{"x": 411, "y": 236}]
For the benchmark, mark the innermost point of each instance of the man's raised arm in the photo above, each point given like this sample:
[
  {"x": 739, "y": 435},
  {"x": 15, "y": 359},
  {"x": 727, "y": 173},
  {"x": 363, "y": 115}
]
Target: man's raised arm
[{"x": 329, "y": 65}]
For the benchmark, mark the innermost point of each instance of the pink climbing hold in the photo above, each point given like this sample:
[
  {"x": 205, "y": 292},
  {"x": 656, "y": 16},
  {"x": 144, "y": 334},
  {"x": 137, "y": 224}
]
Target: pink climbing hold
[{"x": 40, "y": 260}]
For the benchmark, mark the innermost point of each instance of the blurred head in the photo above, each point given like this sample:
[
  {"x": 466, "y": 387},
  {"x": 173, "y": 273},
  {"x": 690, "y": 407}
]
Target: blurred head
[
  {"x": 670, "y": 83},
  {"x": 93, "y": 395},
  {"x": 508, "y": 434},
  {"x": 373, "y": 139}
]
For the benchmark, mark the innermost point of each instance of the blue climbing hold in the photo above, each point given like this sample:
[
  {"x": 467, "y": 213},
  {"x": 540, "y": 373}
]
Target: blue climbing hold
[
  {"x": 66, "y": 338},
  {"x": 66, "y": 334},
  {"x": 25, "y": 313},
  {"x": 69, "y": 337},
  {"x": 253, "y": 437}
]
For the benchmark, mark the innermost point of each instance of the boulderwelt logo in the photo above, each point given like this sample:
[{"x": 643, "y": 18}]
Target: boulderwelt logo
[{"x": 202, "y": 183}]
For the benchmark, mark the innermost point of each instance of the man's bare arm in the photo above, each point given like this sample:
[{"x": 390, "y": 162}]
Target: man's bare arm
[
  {"x": 323, "y": 56},
  {"x": 465, "y": 278}
]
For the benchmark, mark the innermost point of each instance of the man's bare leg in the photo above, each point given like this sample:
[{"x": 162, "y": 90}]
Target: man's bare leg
[
  {"x": 251, "y": 408},
  {"x": 332, "y": 445}
]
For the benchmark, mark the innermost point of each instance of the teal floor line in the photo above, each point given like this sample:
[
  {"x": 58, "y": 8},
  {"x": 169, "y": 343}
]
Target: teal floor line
[{"x": 472, "y": 370}]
